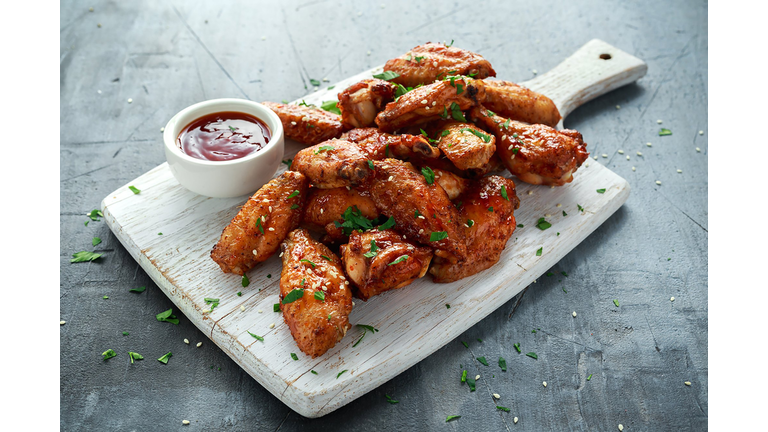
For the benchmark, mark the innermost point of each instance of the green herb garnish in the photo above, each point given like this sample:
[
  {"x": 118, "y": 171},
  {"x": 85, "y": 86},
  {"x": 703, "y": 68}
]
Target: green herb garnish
[
  {"x": 517, "y": 347},
  {"x": 94, "y": 215},
  {"x": 503, "y": 364},
  {"x": 502, "y": 408},
  {"x": 137, "y": 290},
  {"x": 532, "y": 355},
  {"x": 84, "y": 256},
  {"x": 466, "y": 345},
  {"x": 258, "y": 224},
  {"x": 388, "y": 224},
  {"x": 353, "y": 220},
  {"x": 125, "y": 333},
  {"x": 390, "y": 400},
  {"x": 164, "y": 359},
  {"x": 319, "y": 295},
  {"x": 372, "y": 253},
  {"x": 167, "y": 316},
  {"x": 95, "y": 241},
  {"x": 313, "y": 371},
  {"x": 309, "y": 262},
  {"x": 484, "y": 137},
  {"x": 330, "y": 106},
  {"x": 326, "y": 258},
  {"x": 539, "y": 250},
  {"x": 108, "y": 354},
  {"x": 482, "y": 360},
  {"x": 134, "y": 190},
  {"x": 428, "y": 174},
  {"x": 135, "y": 356},
  {"x": 314, "y": 82},
  {"x": 456, "y": 113},
  {"x": 581, "y": 209},
  {"x": 387, "y": 75},
  {"x": 211, "y": 301},
  {"x": 288, "y": 162},
  {"x": 257, "y": 337},
  {"x": 337, "y": 376},
  {"x": 324, "y": 148},
  {"x": 504, "y": 193},
  {"x": 366, "y": 329},
  {"x": 616, "y": 302},
  {"x": 370, "y": 165},
  {"x": 276, "y": 307},
  {"x": 399, "y": 259},
  {"x": 294, "y": 295},
  {"x": 294, "y": 356},
  {"x": 438, "y": 235},
  {"x": 601, "y": 191},
  {"x": 245, "y": 282},
  {"x": 543, "y": 224},
  {"x": 664, "y": 132},
  {"x": 453, "y": 417}
]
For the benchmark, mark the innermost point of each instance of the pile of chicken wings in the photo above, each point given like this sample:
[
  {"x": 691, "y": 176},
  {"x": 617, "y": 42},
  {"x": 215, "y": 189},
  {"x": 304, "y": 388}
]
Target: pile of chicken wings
[{"x": 400, "y": 184}]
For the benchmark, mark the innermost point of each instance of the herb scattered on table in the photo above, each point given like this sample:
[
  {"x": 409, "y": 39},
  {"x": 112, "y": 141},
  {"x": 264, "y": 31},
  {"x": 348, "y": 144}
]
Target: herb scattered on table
[
  {"x": 134, "y": 190},
  {"x": 542, "y": 224},
  {"x": 538, "y": 252},
  {"x": 465, "y": 344},
  {"x": 616, "y": 302},
  {"x": 483, "y": 360},
  {"x": 108, "y": 354},
  {"x": 366, "y": 329},
  {"x": 84, "y": 256},
  {"x": 95, "y": 241},
  {"x": 601, "y": 191},
  {"x": 211, "y": 301},
  {"x": 517, "y": 347},
  {"x": 259, "y": 338},
  {"x": 164, "y": 359},
  {"x": 453, "y": 417},
  {"x": 337, "y": 376},
  {"x": 138, "y": 290},
  {"x": 532, "y": 355},
  {"x": 294, "y": 356},
  {"x": 665, "y": 132},
  {"x": 390, "y": 400},
  {"x": 502, "y": 408},
  {"x": 167, "y": 316},
  {"x": 135, "y": 356}
]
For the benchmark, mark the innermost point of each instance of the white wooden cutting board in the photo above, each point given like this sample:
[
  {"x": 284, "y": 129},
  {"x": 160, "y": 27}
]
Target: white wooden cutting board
[{"x": 413, "y": 322}]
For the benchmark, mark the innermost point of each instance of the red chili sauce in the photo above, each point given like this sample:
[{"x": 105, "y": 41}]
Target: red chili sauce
[{"x": 223, "y": 136}]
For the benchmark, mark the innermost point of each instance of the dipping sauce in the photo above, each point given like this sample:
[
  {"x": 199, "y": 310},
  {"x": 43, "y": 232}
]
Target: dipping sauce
[{"x": 223, "y": 136}]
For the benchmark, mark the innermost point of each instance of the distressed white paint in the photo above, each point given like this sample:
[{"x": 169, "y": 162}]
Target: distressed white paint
[{"x": 414, "y": 321}]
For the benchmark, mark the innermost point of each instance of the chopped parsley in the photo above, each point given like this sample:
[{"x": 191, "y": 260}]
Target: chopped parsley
[
  {"x": 589, "y": 377},
  {"x": 125, "y": 333},
  {"x": 664, "y": 132},
  {"x": 453, "y": 417},
  {"x": 543, "y": 224},
  {"x": 294, "y": 295},
  {"x": 370, "y": 165},
  {"x": 447, "y": 306},
  {"x": 108, "y": 354},
  {"x": 428, "y": 174},
  {"x": 134, "y": 190},
  {"x": 484, "y": 137},
  {"x": 471, "y": 383},
  {"x": 503, "y": 364},
  {"x": 164, "y": 359},
  {"x": 211, "y": 301},
  {"x": 232, "y": 128},
  {"x": 135, "y": 356},
  {"x": 438, "y": 235},
  {"x": 399, "y": 259},
  {"x": 600, "y": 191},
  {"x": 324, "y": 148},
  {"x": 321, "y": 256},
  {"x": 616, "y": 302},
  {"x": 258, "y": 224},
  {"x": 330, "y": 106},
  {"x": 288, "y": 162},
  {"x": 539, "y": 250},
  {"x": 387, "y": 75},
  {"x": 138, "y": 290},
  {"x": 167, "y": 316},
  {"x": 390, "y": 400},
  {"x": 353, "y": 220},
  {"x": 374, "y": 250},
  {"x": 564, "y": 213},
  {"x": 505, "y": 409},
  {"x": 276, "y": 307},
  {"x": 464, "y": 376},
  {"x": 448, "y": 46},
  {"x": 533, "y": 355},
  {"x": 239, "y": 293},
  {"x": 482, "y": 360},
  {"x": 314, "y": 82},
  {"x": 294, "y": 206},
  {"x": 294, "y": 356},
  {"x": 313, "y": 371},
  {"x": 504, "y": 193},
  {"x": 466, "y": 345},
  {"x": 517, "y": 347},
  {"x": 84, "y": 256},
  {"x": 388, "y": 224},
  {"x": 490, "y": 209},
  {"x": 456, "y": 113},
  {"x": 94, "y": 215},
  {"x": 581, "y": 209},
  {"x": 366, "y": 329},
  {"x": 520, "y": 225},
  {"x": 309, "y": 262},
  {"x": 257, "y": 337},
  {"x": 319, "y": 295},
  {"x": 95, "y": 241},
  {"x": 245, "y": 282},
  {"x": 470, "y": 223},
  {"x": 337, "y": 376}
]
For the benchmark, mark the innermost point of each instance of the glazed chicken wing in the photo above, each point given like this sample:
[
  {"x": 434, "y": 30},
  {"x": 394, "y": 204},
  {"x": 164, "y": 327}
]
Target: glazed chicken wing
[
  {"x": 378, "y": 145},
  {"x": 536, "y": 154},
  {"x": 420, "y": 207},
  {"x": 314, "y": 294},
  {"x": 487, "y": 214},
  {"x": 262, "y": 223},
  {"x": 431, "y": 61},
  {"x": 360, "y": 102},
  {"x": 466, "y": 145},
  {"x": 326, "y": 207},
  {"x": 307, "y": 125},
  {"x": 441, "y": 99},
  {"x": 332, "y": 164},
  {"x": 510, "y": 100},
  {"x": 452, "y": 184},
  {"x": 378, "y": 261}
]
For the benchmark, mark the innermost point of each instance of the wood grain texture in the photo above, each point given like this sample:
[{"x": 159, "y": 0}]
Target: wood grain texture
[
  {"x": 168, "y": 55},
  {"x": 413, "y": 322}
]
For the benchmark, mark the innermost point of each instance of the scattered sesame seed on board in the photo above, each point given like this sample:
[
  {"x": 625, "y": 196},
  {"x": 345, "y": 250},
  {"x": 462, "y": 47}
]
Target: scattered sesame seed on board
[
  {"x": 199, "y": 344},
  {"x": 688, "y": 383},
  {"x": 618, "y": 106},
  {"x": 263, "y": 38},
  {"x": 544, "y": 383},
  {"x": 477, "y": 377},
  {"x": 605, "y": 155},
  {"x": 515, "y": 420},
  {"x": 633, "y": 169},
  {"x": 595, "y": 157},
  {"x": 658, "y": 121},
  {"x": 671, "y": 299},
  {"x": 639, "y": 153},
  {"x": 98, "y": 25},
  {"x": 162, "y": 129},
  {"x": 698, "y": 149},
  {"x": 185, "y": 422},
  {"x": 497, "y": 396},
  {"x": 530, "y": 192},
  {"x": 649, "y": 144},
  {"x": 90, "y": 9},
  {"x": 574, "y": 314},
  {"x": 621, "y": 151},
  {"x": 62, "y": 322},
  {"x": 369, "y": 53},
  {"x": 242, "y": 308},
  {"x": 586, "y": 164},
  {"x": 186, "y": 341},
  {"x": 658, "y": 182},
  {"x": 559, "y": 205},
  {"x": 701, "y": 132},
  {"x": 680, "y": 171},
  {"x": 621, "y": 426},
  {"x": 534, "y": 71},
  {"x": 130, "y": 100},
  {"x": 272, "y": 325}
]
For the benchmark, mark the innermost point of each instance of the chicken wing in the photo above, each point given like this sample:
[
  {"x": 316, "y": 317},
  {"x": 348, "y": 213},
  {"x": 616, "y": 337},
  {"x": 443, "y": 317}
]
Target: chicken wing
[
  {"x": 378, "y": 261},
  {"x": 487, "y": 214},
  {"x": 314, "y": 294},
  {"x": 360, "y": 102},
  {"x": 441, "y": 99},
  {"x": 378, "y": 145},
  {"x": 431, "y": 61},
  {"x": 305, "y": 124},
  {"x": 261, "y": 224},
  {"x": 536, "y": 154},
  {"x": 326, "y": 206},
  {"x": 510, "y": 100},
  {"x": 452, "y": 184},
  {"x": 421, "y": 208},
  {"x": 332, "y": 164},
  {"x": 466, "y": 145}
]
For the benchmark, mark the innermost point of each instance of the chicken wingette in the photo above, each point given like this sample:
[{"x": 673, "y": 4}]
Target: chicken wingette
[
  {"x": 361, "y": 102},
  {"x": 513, "y": 101},
  {"x": 261, "y": 224},
  {"x": 307, "y": 124},
  {"x": 314, "y": 294},
  {"x": 431, "y": 61},
  {"x": 379, "y": 145},
  {"x": 332, "y": 164},
  {"x": 466, "y": 145}
]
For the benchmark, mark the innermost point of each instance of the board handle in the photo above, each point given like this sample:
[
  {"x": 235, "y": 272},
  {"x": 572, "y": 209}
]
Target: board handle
[{"x": 592, "y": 71}]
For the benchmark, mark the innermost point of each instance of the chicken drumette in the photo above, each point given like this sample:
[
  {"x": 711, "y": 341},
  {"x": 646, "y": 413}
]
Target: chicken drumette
[
  {"x": 426, "y": 63},
  {"x": 361, "y": 102},
  {"x": 510, "y": 100},
  {"x": 332, "y": 164},
  {"x": 379, "y": 145},
  {"x": 466, "y": 145},
  {"x": 307, "y": 124},
  {"x": 314, "y": 294}
]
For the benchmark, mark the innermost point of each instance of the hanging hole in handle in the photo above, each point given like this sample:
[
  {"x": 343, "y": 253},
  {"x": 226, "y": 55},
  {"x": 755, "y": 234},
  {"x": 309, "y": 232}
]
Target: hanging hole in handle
[{"x": 605, "y": 56}]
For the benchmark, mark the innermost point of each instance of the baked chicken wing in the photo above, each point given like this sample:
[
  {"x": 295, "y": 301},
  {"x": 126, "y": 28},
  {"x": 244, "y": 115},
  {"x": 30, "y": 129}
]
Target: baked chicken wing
[
  {"x": 378, "y": 261},
  {"x": 307, "y": 125},
  {"x": 360, "y": 102},
  {"x": 466, "y": 145},
  {"x": 513, "y": 101},
  {"x": 420, "y": 207},
  {"x": 378, "y": 145},
  {"x": 452, "y": 184},
  {"x": 441, "y": 99},
  {"x": 261, "y": 224},
  {"x": 326, "y": 206},
  {"x": 314, "y": 294},
  {"x": 431, "y": 61},
  {"x": 488, "y": 221},
  {"x": 536, "y": 154},
  {"x": 332, "y": 164}
]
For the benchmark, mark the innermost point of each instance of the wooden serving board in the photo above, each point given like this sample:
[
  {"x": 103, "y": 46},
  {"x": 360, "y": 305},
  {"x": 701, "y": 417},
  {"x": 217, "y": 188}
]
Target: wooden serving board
[{"x": 413, "y": 322}]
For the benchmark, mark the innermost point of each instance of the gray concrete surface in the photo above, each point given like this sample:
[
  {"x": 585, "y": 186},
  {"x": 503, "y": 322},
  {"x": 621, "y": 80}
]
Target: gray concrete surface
[{"x": 169, "y": 54}]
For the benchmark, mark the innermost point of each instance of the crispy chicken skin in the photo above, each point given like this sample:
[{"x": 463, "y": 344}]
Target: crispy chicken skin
[
  {"x": 539, "y": 154},
  {"x": 261, "y": 224},
  {"x": 466, "y": 145},
  {"x": 378, "y": 145},
  {"x": 332, "y": 164},
  {"x": 360, "y": 102},
  {"x": 374, "y": 275},
  {"x": 325, "y": 206},
  {"x": 510, "y": 100},
  {"x": 443, "y": 163},
  {"x": 452, "y": 184},
  {"x": 431, "y": 61},
  {"x": 431, "y": 102},
  {"x": 488, "y": 233},
  {"x": 305, "y": 124},
  {"x": 400, "y": 191},
  {"x": 316, "y": 325}
]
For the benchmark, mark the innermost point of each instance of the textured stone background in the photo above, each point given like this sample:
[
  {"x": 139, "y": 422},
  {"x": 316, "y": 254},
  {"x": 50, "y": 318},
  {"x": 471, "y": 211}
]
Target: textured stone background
[{"x": 167, "y": 55}]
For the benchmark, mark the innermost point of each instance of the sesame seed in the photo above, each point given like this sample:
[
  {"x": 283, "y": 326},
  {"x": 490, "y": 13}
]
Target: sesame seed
[
  {"x": 698, "y": 149},
  {"x": 424, "y": 102},
  {"x": 263, "y": 219},
  {"x": 680, "y": 171},
  {"x": 510, "y": 147},
  {"x": 658, "y": 182},
  {"x": 325, "y": 288},
  {"x": 515, "y": 420},
  {"x": 421, "y": 217},
  {"x": 574, "y": 314},
  {"x": 255, "y": 252},
  {"x": 62, "y": 322},
  {"x": 305, "y": 118},
  {"x": 242, "y": 308},
  {"x": 281, "y": 255},
  {"x": 477, "y": 377},
  {"x": 272, "y": 325},
  {"x": 348, "y": 188},
  {"x": 321, "y": 211},
  {"x": 130, "y": 100},
  {"x": 434, "y": 103},
  {"x": 259, "y": 311},
  {"x": 586, "y": 164},
  {"x": 199, "y": 344},
  {"x": 534, "y": 71},
  {"x": 369, "y": 53},
  {"x": 671, "y": 299},
  {"x": 90, "y": 9},
  {"x": 359, "y": 14},
  {"x": 688, "y": 383},
  {"x": 347, "y": 283},
  {"x": 621, "y": 426},
  {"x": 98, "y": 91},
  {"x": 270, "y": 209},
  {"x": 618, "y": 106},
  {"x": 595, "y": 157},
  {"x": 552, "y": 187},
  {"x": 547, "y": 215},
  {"x": 98, "y": 25},
  {"x": 627, "y": 157},
  {"x": 658, "y": 121},
  {"x": 353, "y": 303},
  {"x": 639, "y": 154},
  {"x": 382, "y": 167},
  {"x": 649, "y": 144},
  {"x": 701, "y": 132},
  {"x": 427, "y": 108},
  {"x": 293, "y": 123},
  {"x": 185, "y": 422},
  {"x": 186, "y": 341},
  {"x": 390, "y": 178},
  {"x": 559, "y": 205},
  {"x": 497, "y": 396},
  {"x": 633, "y": 168},
  {"x": 621, "y": 151},
  {"x": 421, "y": 231},
  {"x": 530, "y": 192},
  {"x": 605, "y": 155},
  {"x": 544, "y": 383},
  {"x": 162, "y": 129},
  {"x": 263, "y": 38}
]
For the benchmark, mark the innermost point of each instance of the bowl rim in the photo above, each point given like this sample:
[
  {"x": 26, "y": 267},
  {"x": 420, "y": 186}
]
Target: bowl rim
[{"x": 210, "y": 106}]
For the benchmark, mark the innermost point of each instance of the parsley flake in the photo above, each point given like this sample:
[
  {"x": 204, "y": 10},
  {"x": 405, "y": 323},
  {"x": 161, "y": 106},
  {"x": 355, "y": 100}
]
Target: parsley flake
[
  {"x": 503, "y": 364},
  {"x": 134, "y": 190},
  {"x": 616, "y": 302},
  {"x": 294, "y": 356},
  {"x": 387, "y": 75},
  {"x": 337, "y": 376},
  {"x": 390, "y": 400},
  {"x": 374, "y": 250},
  {"x": 164, "y": 359},
  {"x": 245, "y": 282},
  {"x": 314, "y": 82},
  {"x": 665, "y": 132},
  {"x": 453, "y": 417},
  {"x": 482, "y": 360},
  {"x": 438, "y": 235},
  {"x": 309, "y": 262},
  {"x": 94, "y": 215},
  {"x": 84, "y": 256},
  {"x": 517, "y": 347},
  {"x": 257, "y": 337},
  {"x": 542, "y": 224},
  {"x": 324, "y": 148},
  {"x": 399, "y": 259},
  {"x": 428, "y": 174},
  {"x": 538, "y": 251},
  {"x": 108, "y": 354},
  {"x": 504, "y": 193},
  {"x": 533, "y": 355},
  {"x": 456, "y": 113},
  {"x": 276, "y": 307},
  {"x": 505, "y": 409},
  {"x": 135, "y": 356},
  {"x": 319, "y": 295},
  {"x": 167, "y": 316},
  {"x": 600, "y": 191},
  {"x": 95, "y": 241},
  {"x": 294, "y": 295},
  {"x": 138, "y": 290},
  {"x": 484, "y": 137},
  {"x": 366, "y": 329},
  {"x": 388, "y": 224}
]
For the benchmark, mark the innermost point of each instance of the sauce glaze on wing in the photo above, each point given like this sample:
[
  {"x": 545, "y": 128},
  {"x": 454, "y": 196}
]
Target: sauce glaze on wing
[{"x": 426, "y": 63}]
